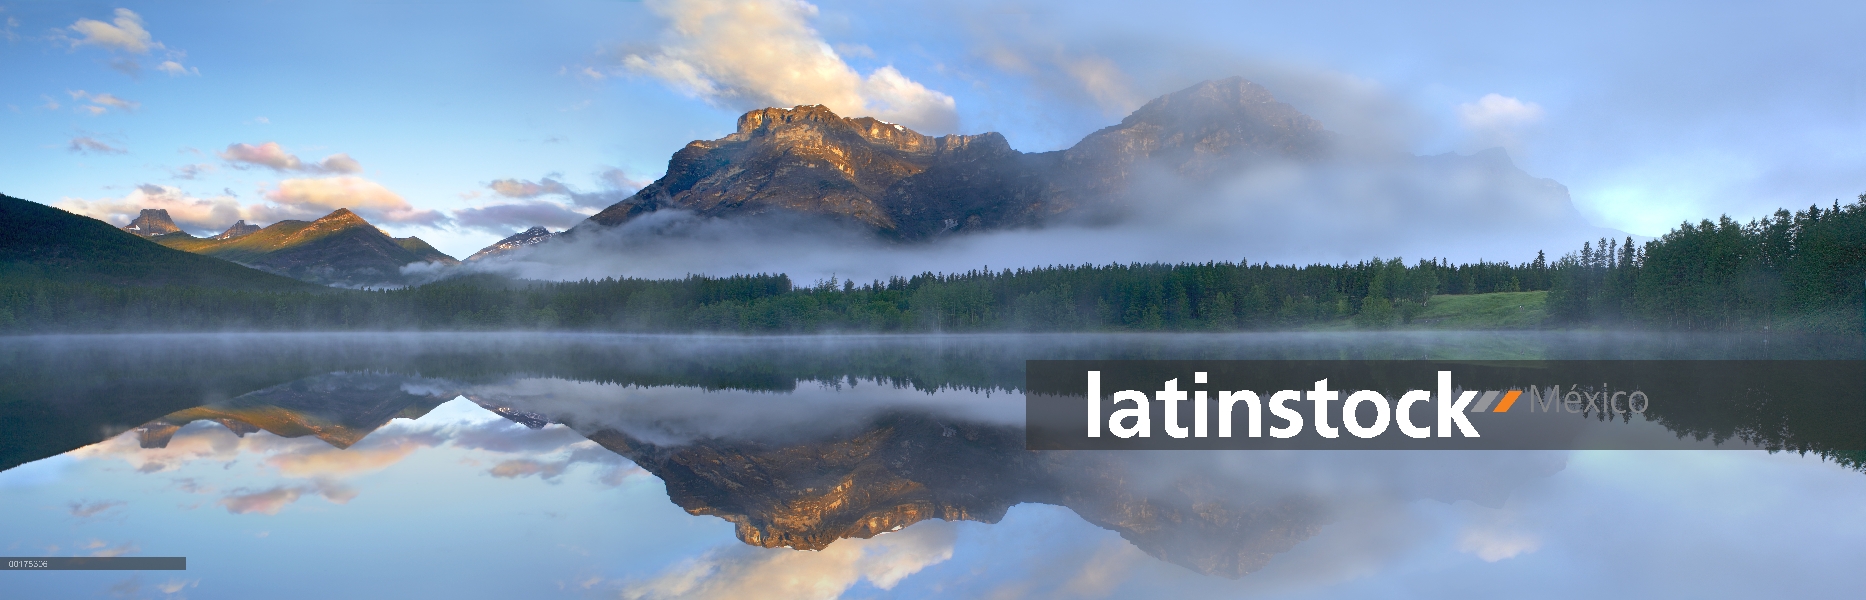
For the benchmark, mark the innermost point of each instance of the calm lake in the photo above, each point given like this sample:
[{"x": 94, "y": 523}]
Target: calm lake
[{"x": 526, "y": 465}]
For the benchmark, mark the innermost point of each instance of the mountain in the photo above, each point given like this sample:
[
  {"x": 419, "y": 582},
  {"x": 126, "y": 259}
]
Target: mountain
[
  {"x": 425, "y": 252},
  {"x": 535, "y": 235},
  {"x": 239, "y": 229},
  {"x": 338, "y": 408},
  {"x": 152, "y": 222},
  {"x": 1227, "y": 150},
  {"x": 912, "y": 186},
  {"x": 38, "y": 242},
  {"x": 907, "y": 468},
  {"x": 338, "y": 249}
]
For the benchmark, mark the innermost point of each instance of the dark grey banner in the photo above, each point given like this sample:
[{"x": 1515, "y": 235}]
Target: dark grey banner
[
  {"x": 1802, "y": 406},
  {"x": 94, "y": 563}
]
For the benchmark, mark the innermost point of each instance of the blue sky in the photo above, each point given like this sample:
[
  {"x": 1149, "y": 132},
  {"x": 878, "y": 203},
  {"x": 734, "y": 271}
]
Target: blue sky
[{"x": 462, "y": 122}]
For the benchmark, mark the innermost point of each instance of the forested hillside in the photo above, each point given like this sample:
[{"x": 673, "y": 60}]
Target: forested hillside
[{"x": 1800, "y": 271}]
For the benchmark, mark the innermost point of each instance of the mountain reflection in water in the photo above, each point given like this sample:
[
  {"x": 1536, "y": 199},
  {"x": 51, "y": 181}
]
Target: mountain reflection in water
[{"x": 801, "y": 442}]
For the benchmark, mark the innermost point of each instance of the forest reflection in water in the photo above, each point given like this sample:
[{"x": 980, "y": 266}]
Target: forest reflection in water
[{"x": 797, "y": 442}]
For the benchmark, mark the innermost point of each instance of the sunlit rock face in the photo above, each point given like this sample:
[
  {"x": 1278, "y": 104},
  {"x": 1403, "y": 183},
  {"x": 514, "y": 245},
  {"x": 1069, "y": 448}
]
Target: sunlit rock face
[
  {"x": 911, "y": 186},
  {"x": 804, "y": 159},
  {"x": 909, "y": 468},
  {"x": 807, "y": 495}
]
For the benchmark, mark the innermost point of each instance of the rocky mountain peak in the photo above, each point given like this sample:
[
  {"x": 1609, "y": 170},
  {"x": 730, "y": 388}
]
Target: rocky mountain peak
[
  {"x": 238, "y": 230},
  {"x": 1235, "y": 97},
  {"x": 152, "y": 222},
  {"x": 818, "y": 124},
  {"x": 1204, "y": 130},
  {"x": 528, "y": 237},
  {"x": 342, "y": 215},
  {"x": 341, "y": 219}
]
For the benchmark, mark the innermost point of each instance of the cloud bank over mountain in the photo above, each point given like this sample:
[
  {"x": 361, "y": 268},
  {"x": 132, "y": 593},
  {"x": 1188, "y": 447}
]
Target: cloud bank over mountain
[{"x": 1217, "y": 172}]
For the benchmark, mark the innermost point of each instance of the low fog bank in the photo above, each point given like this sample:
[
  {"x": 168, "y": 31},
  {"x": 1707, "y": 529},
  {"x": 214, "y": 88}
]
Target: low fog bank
[{"x": 1461, "y": 208}]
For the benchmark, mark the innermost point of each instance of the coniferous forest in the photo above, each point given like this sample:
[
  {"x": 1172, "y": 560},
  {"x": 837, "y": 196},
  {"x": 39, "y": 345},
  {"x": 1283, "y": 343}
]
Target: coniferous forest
[{"x": 1791, "y": 270}]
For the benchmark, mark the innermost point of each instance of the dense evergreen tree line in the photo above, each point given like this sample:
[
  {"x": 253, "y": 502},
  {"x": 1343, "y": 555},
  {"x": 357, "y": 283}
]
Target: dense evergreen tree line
[
  {"x": 1210, "y": 296},
  {"x": 1802, "y": 270}
]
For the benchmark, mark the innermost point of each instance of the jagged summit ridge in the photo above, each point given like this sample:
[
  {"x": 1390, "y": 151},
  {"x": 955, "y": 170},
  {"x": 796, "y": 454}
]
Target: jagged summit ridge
[
  {"x": 805, "y": 159},
  {"x": 528, "y": 237}
]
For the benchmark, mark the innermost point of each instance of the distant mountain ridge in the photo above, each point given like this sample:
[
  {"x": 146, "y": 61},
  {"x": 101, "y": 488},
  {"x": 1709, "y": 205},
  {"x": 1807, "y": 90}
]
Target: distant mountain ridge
[
  {"x": 239, "y": 229},
  {"x": 340, "y": 248},
  {"x": 528, "y": 237},
  {"x": 39, "y": 242}
]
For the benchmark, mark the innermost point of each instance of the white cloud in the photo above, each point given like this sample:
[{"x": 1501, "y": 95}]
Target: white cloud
[
  {"x": 124, "y": 33},
  {"x": 506, "y": 217},
  {"x": 741, "y": 572},
  {"x": 271, "y": 500},
  {"x": 1498, "y": 120},
  {"x": 1493, "y": 535},
  {"x": 191, "y": 171},
  {"x": 85, "y": 511},
  {"x": 302, "y": 199},
  {"x": 85, "y": 144},
  {"x": 268, "y": 502},
  {"x": 503, "y": 219},
  {"x": 377, "y": 453},
  {"x": 757, "y": 53},
  {"x": 100, "y": 548},
  {"x": 176, "y": 68},
  {"x": 339, "y": 163},
  {"x": 1493, "y": 546},
  {"x": 520, "y": 188},
  {"x": 103, "y": 102},
  {"x": 315, "y": 197},
  {"x": 175, "y": 586},
  {"x": 191, "y": 213},
  {"x": 272, "y": 156},
  {"x": 1102, "y": 80},
  {"x": 620, "y": 180}
]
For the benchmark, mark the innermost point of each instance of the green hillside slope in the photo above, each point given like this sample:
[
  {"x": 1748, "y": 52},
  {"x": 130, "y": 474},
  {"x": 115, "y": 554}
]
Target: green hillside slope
[{"x": 38, "y": 242}]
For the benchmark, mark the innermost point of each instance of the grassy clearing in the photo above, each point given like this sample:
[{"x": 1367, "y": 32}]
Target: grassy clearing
[{"x": 1501, "y": 310}]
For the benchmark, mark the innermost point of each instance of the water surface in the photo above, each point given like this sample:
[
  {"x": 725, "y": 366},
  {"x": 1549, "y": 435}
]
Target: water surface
[{"x": 536, "y": 465}]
